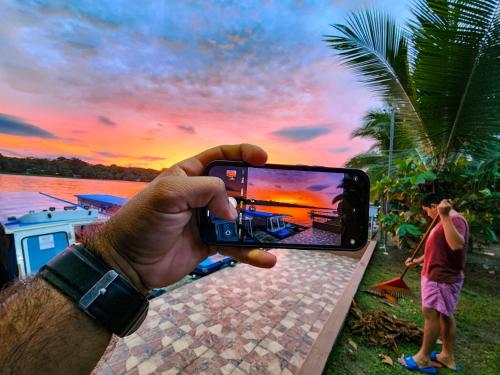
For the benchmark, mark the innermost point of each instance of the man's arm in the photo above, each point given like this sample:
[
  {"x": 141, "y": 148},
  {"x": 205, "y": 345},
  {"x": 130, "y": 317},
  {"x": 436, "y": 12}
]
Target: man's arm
[
  {"x": 412, "y": 263},
  {"x": 453, "y": 237},
  {"x": 43, "y": 332}
]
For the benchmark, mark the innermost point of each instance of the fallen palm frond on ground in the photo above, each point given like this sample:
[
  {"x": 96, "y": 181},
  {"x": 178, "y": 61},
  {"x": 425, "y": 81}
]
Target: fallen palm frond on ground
[{"x": 381, "y": 329}]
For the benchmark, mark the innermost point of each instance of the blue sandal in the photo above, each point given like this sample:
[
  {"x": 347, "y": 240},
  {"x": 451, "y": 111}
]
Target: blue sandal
[
  {"x": 457, "y": 368},
  {"x": 411, "y": 365}
]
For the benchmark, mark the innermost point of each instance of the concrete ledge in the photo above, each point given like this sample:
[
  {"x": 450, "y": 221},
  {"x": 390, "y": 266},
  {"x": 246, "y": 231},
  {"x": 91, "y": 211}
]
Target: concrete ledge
[{"x": 317, "y": 357}]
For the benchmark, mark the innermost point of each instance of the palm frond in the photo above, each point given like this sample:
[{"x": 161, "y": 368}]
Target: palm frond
[
  {"x": 455, "y": 52},
  {"x": 374, "y": 45}
]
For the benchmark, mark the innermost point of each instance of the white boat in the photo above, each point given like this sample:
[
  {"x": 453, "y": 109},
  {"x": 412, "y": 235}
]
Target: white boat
[{"x": 35, "y": 227}]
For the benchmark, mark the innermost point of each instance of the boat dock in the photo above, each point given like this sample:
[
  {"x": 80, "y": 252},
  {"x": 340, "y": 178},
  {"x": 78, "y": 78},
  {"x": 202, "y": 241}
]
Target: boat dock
[{"x": 245, "y": 320}]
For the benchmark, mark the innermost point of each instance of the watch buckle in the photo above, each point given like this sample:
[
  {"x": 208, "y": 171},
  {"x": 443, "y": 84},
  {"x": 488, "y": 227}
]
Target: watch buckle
[{"x": 98, "y": 289}]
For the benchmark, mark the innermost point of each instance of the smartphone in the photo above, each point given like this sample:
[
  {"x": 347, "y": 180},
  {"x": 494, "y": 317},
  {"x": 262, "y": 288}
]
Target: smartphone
[{"x": 290, "y": 206}]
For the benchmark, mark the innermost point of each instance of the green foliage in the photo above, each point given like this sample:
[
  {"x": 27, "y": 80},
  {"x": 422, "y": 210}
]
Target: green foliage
[
  {"x": 441, "y": 71},
  {"x": 456, "y": 70},
  {"x": 404, "y": 189},
  {"x": 470, "y": 186}
]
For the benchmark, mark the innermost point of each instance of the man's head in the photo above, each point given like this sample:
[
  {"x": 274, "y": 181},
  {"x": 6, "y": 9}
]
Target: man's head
[{"x": 429, "y": 203}]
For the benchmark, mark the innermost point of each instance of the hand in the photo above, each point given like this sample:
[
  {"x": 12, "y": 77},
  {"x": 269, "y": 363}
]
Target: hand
[
  {"x": 154, "y": 239},
  {"x": 410, "y": 263},
  {"x": 444, "y": 208}
]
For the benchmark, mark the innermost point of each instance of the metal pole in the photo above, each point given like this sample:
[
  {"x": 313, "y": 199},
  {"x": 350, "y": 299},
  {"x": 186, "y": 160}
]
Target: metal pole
[
  {"x": 389, "y": 170},
  {"x": 391, "y": 141}
]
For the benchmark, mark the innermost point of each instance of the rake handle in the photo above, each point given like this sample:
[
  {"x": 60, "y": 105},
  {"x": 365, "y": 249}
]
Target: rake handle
[{"x": 422, "y": 241}]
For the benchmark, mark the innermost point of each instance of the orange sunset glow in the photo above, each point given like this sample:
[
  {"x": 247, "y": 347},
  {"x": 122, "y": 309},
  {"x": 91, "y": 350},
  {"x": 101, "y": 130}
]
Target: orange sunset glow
[{"x": 150, "y": 84}]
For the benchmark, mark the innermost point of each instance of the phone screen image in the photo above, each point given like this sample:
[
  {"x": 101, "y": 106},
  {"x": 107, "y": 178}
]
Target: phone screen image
[{"x": 283, "y": 207}]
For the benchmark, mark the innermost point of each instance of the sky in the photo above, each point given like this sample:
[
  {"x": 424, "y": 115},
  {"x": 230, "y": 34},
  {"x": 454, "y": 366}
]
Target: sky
[
  {"x": 149, "y": 83},
  {"x": 297, "y": 187}
]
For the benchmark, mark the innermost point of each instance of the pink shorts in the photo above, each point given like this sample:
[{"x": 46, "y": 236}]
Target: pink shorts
[{"x": 442, "y": 297}]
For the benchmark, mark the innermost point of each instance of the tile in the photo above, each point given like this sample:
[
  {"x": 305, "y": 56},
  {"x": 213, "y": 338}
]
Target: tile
[{"x": 240, "y": 320}]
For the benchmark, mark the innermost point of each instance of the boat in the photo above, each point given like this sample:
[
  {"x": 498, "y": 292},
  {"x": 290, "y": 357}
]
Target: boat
[
  {"x": 35, "y": 227},
  {"x": 103, "y": 202}
]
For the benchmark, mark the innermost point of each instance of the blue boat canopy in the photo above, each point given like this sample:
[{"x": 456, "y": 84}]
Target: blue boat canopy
[
  {"x": 102, "y": 198},
  {"x": 262, "y": 213}
]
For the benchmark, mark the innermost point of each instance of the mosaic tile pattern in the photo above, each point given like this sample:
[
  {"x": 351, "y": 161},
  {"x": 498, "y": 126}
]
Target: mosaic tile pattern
[
  {"x": 240, "y": 320},
  {"x": 314, "y": 236}
]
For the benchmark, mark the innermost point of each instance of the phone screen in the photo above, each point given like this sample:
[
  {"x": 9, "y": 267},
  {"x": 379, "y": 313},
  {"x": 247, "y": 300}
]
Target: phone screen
[{"x": 290, "y": 206}]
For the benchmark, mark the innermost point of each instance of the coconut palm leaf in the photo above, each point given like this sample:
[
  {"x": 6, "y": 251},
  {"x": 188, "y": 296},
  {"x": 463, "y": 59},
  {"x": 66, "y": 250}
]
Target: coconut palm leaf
[
  {"x": 455, "y": 52},
  {"x": 375, "y": 46},
  {"x": 376, "y": 126}
]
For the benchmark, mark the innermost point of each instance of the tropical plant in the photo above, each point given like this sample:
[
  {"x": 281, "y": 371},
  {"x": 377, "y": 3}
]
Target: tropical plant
[
  {"x": 441, "y": 71},
  {"x": 376, "y": 127},
  {"x": 473, "y": 188}
]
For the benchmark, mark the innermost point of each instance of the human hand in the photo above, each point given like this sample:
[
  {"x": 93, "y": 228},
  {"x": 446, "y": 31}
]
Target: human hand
[
  {"x": 444, "y": 208},
  {"x": 154, "y": 239},
  {"x": 410, "y": 263}
]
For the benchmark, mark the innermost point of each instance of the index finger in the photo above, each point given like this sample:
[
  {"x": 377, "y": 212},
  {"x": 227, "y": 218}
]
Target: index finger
[{"x": 195, "y": 165}]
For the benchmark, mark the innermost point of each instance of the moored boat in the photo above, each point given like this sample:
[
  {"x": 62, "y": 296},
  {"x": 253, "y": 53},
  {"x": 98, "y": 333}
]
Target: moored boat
[{"x": 35, "y": 227}]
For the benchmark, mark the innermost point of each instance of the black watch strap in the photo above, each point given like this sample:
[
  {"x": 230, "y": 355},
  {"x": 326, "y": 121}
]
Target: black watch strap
[{"x": 98, "y": 290}]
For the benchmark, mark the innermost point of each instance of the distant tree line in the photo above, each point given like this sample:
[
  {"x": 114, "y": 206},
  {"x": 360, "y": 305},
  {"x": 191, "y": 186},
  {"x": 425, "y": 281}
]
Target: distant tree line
[{"x": 75, "y": 168}]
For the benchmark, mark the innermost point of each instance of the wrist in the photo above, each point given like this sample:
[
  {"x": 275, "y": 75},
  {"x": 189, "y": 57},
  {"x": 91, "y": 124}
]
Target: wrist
[
  {"x": 101, "y": 245},
  {"x": 444, "y": 215}
]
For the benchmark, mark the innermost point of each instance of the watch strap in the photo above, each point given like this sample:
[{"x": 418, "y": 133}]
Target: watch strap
[{"x": 100, "y": 291}]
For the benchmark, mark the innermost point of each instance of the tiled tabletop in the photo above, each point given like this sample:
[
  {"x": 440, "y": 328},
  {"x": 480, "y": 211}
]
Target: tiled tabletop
[{"x": 240, "y": 320}]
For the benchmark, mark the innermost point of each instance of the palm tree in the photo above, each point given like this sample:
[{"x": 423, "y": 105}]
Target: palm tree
[
  {"x": 441, "y": 70},
  {"x": 376, "y": 127}
]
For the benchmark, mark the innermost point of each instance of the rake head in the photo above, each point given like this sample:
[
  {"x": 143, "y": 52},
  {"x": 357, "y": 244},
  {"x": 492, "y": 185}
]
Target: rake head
[{"x": 391, "y": 290}]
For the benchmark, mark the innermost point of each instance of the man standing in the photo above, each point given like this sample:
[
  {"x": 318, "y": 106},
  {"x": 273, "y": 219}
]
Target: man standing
[{"x": 442, "y": 280}]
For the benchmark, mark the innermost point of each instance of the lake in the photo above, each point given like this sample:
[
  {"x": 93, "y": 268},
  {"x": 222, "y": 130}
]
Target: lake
[{"x": 66, "y": 188}]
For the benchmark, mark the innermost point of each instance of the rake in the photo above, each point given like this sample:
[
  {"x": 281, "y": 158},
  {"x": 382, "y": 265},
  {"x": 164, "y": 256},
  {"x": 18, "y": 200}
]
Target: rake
[{"x": 397, "y": 288}]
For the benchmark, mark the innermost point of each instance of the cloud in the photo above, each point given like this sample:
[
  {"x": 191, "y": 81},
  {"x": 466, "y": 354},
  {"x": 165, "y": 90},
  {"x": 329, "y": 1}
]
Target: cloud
[
  {"x": 317, "y": 187},
  {"x": 150, "y": 158},
  {"x": 186, "y": 128},
  {"x": 110, "y": 154},
  {"x": 339, "y": 150},
  {"x": 116, "y": 155},
  {"x": 106, "y": 121},
  {"x": 301, "y": 133},
  {"x": 11, "y": 153},
  {"x": 15, "y": 126}
]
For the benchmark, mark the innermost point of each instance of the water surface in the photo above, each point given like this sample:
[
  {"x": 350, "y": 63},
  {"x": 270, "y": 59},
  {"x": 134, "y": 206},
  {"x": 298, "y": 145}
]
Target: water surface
[{"x": 66, "y": 188}]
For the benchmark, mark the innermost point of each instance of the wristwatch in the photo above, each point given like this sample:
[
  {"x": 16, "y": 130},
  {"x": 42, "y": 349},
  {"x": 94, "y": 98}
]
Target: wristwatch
[{"x": 97, "y": 289}]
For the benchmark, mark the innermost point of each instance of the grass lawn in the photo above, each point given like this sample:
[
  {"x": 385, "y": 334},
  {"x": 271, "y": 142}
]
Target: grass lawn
[{"x": 477, "y": 315}]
